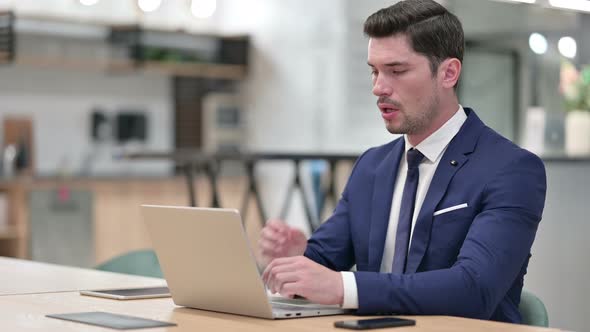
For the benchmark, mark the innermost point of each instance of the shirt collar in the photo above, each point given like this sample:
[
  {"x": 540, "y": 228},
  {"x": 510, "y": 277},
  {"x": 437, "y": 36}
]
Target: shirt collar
[{"x": 434, "y": 145}]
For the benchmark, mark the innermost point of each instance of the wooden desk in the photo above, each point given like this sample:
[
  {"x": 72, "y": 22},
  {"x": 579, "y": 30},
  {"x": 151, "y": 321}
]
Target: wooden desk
[
  {"x": 27, "y": 277},
  {"x": 40, "y": 289},
  {"x": 27, "y": 312}
]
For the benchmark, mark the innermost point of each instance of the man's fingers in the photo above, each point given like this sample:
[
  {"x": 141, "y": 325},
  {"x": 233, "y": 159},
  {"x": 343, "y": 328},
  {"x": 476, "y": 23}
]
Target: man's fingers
[
  {"x": 277, "y": 265},
  {"x": 269, "y": 248},
  {"x": 266, "y": 274},
  {"x": 276, "y": 280},
  {"x": 267, "y": 271},
  {"x": 278, "y": 227},
  {"x": 290, "y": 289},
  {"x": 277, "y": 275},
  {"x": 275, "y": 236},
  {"x": 283, "y": 278},
  {"x": 269, "y": 233}
]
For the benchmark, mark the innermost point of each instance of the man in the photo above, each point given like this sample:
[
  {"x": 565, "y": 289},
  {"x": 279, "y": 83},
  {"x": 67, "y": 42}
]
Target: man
[{"x": 438, "y": 222}]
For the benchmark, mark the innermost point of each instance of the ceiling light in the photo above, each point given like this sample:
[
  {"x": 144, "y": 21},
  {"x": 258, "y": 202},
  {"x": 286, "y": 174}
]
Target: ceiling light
[
  {"x": 149, "y": 5},
  {"x": 582, "y": 5},
  {"x": 88, "y": 2},
  {"x": 568, "y": 47},
  {"x": 203, "y": 8},
  {"x": 524, "y": 1},
  {"x": 538, "y": 43}
]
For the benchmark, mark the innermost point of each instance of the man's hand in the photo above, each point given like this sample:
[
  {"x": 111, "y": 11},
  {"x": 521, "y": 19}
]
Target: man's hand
[
  {"x": 301, "y": 276},
  {"x": 279, "y": 240}
]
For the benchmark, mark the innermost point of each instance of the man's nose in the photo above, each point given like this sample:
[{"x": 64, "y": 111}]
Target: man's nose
[{"x": 381, "y": 87}]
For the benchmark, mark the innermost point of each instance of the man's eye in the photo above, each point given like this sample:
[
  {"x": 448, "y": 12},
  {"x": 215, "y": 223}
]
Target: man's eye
[{"x": 398, "y": 72}]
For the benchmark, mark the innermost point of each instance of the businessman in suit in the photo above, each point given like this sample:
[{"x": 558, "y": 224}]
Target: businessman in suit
[{"x": 439, "y": 221}]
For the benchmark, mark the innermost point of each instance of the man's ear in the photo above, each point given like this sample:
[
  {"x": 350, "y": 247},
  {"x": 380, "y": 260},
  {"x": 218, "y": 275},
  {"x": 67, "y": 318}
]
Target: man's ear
[{"x": 449, "y": 72}]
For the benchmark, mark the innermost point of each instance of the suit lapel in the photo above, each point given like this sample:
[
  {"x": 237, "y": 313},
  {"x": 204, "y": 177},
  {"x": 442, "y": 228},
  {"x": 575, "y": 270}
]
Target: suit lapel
[
  {"x": 385, "y": 177},
  {"x": 458, "y": 150}
]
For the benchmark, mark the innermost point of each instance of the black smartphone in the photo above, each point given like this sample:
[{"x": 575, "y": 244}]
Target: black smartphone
[{"x": 374, "y": 323}]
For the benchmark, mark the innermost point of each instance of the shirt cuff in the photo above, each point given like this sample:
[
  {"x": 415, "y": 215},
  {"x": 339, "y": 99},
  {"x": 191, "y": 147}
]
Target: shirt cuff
[{"x": 350, "y": 298}]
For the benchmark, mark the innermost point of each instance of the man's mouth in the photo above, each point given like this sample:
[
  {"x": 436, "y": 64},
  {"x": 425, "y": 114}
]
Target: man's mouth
[{"x": 387, "y": 108}]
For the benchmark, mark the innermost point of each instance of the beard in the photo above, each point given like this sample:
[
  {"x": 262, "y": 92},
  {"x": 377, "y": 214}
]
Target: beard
[{"x": 416, "y": 121}]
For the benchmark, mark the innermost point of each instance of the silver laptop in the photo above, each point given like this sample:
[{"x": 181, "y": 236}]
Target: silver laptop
[{"x": 206, "y": 260}]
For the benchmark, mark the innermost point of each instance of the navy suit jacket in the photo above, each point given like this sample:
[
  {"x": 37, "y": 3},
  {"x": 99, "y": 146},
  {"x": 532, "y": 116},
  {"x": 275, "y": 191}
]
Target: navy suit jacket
[{"x": 468, "y": 262}]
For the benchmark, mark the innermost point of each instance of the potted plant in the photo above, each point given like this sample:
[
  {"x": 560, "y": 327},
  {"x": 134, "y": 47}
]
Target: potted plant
[{"x": 575, "y": 88}]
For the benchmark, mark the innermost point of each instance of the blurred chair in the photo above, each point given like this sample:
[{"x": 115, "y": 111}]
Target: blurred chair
[
  {"x": 138, "y": 262},
  {"x": 533, "y": 310}
]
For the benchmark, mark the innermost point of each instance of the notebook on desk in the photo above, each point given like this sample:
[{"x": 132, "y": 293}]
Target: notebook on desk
[{"x": 207, "y": 262}]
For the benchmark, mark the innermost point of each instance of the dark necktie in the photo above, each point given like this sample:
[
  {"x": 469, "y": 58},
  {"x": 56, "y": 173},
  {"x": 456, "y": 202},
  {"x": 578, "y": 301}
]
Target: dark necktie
[{"x": 404, "y": 224}]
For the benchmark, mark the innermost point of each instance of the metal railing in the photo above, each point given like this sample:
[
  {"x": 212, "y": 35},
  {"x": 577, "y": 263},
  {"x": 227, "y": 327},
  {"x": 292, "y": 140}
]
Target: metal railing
[{"x": 194, "y": 161}]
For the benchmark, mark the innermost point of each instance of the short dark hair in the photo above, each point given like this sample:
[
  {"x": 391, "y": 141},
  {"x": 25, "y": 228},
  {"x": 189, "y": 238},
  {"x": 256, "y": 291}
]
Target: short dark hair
[{"x": 431, "y": 29}]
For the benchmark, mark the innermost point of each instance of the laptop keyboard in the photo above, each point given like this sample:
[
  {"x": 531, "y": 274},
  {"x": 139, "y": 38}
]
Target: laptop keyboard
[
  {"x": 297, "y": 302},
  {"x": 285, "y": 306}
]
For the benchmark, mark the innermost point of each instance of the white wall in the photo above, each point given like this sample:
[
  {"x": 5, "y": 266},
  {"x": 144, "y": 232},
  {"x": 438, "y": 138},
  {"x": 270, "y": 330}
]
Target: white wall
[
  {"x": 293, "y": 79},
  {"x": 309, "y": 85},
  {"x": 294, "y": 85}
]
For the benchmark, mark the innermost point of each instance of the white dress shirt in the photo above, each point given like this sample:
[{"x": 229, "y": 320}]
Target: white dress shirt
[{"x": 433, "y": 148}]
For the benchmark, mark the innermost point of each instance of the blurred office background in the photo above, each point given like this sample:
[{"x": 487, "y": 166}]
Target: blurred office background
[{"x": 89, "y": 87}]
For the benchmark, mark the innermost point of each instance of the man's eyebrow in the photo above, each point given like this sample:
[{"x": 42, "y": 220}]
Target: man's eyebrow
[{"x": 391, "y": 64}]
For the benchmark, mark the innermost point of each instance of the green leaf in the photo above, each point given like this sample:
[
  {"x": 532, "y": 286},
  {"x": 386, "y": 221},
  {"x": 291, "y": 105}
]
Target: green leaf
[{"x": 585, "y": 76}]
